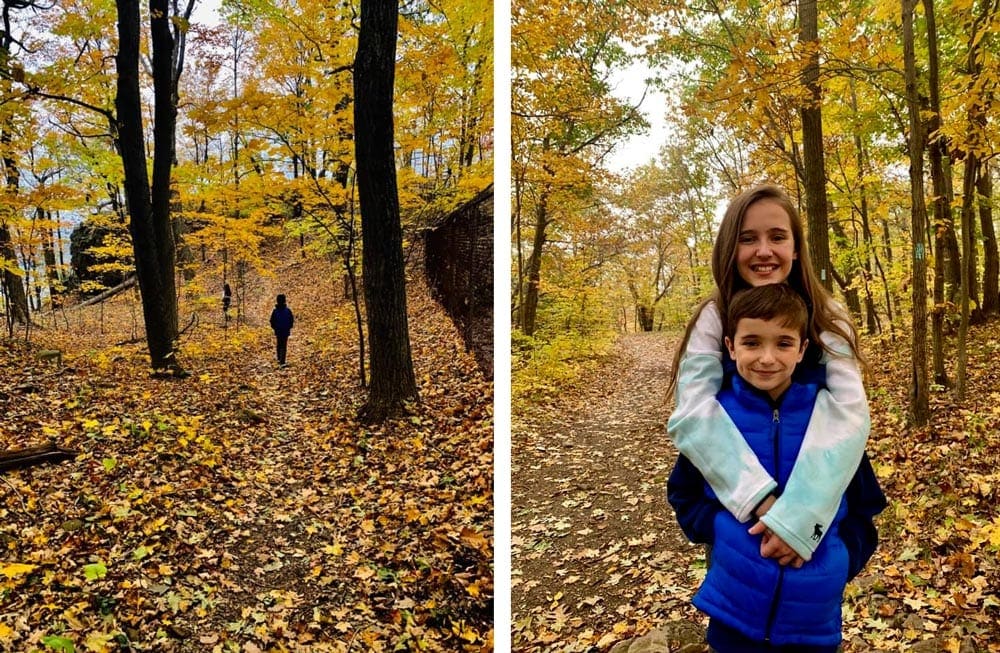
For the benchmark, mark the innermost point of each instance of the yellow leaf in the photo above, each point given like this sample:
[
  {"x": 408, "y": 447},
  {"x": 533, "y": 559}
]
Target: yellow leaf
[
  {"x": 884, "y": 470},
  {"x": 16, "y": 569},
  {"x": 473, "y": 539},
  {"x": 98, "y": 642},
  {"x": 333, "y": 549},
  {"x": 364, "y": 573},
  {"x": 5, "y": 631},
  {"x": 994, "y": 532}
]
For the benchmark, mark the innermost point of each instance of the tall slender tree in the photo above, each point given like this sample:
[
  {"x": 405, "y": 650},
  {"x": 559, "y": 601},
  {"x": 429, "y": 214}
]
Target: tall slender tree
[
  {"x": 13, "y": 289},
  {"x": 149, "y": 204},
  {"x": 919, "y": 390},
  {"x": 814, "y": 167},
  {"x": 392, "y": 379},
  {"x": 939, "y": 160},
  {"x": 991, "y": 257}
]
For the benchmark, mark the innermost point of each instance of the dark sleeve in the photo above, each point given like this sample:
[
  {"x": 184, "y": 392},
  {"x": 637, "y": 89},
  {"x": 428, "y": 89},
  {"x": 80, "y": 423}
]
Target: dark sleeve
[
  {"x": 695, "y": 511},
  {"x": 865, "y": 499},
  {"x": 291, "y": 319},
  {"x": 274, "y": 318}
]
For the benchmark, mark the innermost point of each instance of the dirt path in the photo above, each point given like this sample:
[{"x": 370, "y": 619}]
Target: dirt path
[
  {"x": 245, "y": 507},
  {"x": 597, "y": 555}
]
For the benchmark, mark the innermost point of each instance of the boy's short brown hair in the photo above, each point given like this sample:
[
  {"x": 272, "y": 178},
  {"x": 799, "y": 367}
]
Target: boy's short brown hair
[{"x": 768, "y": 302}]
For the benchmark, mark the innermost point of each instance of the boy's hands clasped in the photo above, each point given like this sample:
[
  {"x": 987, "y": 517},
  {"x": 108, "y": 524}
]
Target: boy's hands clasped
[{"x": 771, "y": 545}]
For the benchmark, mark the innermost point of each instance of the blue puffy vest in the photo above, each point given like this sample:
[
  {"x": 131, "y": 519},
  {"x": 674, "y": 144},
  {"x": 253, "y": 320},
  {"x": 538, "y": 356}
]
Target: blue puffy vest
[{"x": 755, "y": 595}]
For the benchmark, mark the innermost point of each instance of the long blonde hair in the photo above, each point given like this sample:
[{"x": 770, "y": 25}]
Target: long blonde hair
[{"x": 824, "y": 314}]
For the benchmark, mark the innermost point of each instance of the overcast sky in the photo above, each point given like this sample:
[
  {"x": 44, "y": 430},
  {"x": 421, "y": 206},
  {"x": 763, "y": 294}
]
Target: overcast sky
[{"x": 639, "y": 149}]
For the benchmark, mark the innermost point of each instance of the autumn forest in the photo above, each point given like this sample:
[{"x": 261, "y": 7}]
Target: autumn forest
[
  {"x": 169, "y": 481},
  {"x": 878, "y": 118}
]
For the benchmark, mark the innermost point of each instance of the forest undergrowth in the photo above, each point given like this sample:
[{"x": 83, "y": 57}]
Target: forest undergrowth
[
  {"x": 244, "y": 508},
  {"x": 598, "y": 558}
]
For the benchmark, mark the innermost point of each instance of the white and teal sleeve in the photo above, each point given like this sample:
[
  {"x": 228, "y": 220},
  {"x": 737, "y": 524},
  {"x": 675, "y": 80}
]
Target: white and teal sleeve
[
  {"x": 703, "y": 431},
  {"x": 831, "y": 451}
]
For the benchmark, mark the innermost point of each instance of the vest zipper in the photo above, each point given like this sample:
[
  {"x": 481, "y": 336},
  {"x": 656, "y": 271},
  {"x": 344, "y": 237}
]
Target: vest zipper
[{"x": 773, "y": 613}]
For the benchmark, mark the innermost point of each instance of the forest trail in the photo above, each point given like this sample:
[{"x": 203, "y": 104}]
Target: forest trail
[
  {"x": 597, "y": 556},
  {"x": 599, "y": 563},
  {"x": 245, "y": 507}
]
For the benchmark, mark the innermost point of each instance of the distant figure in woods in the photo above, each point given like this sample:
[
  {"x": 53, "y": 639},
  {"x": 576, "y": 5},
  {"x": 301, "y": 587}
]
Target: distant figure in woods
[
  {"x": 282, "y": 322},
  {"x": 227, "y": 299}
]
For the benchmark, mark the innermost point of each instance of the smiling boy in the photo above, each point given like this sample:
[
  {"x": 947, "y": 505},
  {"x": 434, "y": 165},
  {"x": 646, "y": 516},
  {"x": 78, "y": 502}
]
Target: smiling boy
[{"x": 758, "y": 603}]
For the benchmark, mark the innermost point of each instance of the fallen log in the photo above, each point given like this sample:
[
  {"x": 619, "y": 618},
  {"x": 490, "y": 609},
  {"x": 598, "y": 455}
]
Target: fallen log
[
  {"x": 45, "y": 453},
  {"x": 129, "y": 281}
]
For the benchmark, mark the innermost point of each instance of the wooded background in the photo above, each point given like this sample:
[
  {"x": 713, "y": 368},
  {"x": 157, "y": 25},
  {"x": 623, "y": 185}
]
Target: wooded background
[
  {"x": 877, "y": 117},
  {"x": 264, "y": 143}
]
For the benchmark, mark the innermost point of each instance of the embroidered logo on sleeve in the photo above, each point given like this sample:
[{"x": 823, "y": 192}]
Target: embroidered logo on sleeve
[{"x": 817, "y": 532}]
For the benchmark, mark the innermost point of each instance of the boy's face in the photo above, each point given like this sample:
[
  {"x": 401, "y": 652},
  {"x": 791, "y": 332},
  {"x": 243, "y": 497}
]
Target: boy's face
[{"x": 766, "y": 353}]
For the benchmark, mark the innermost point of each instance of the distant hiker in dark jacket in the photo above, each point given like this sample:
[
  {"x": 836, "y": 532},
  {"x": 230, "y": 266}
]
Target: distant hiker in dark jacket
[
  {"x": 282, "y": 321},
  {"x": 227, "y": 299}
]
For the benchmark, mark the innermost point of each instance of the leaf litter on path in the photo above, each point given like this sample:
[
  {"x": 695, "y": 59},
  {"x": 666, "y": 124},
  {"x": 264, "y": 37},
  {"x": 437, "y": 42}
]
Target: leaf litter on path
[
  {"x": 598, "y": 559},
  {"x": 595, "y": 548},
  {"x": 244, "y": 508}
]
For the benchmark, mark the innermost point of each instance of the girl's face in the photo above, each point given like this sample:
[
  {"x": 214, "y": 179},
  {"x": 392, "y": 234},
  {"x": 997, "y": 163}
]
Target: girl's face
[{"x": 765, "y": 248}]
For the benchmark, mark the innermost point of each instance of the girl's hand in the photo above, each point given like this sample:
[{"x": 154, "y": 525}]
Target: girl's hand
[{"x": 772, "y": 546}]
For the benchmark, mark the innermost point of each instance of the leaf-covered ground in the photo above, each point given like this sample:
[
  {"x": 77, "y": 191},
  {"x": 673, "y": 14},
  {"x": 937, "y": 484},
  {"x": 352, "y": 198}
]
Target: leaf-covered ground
[
  {"x": 244, "y": 508},
  {"x": 598, "y": 559}
]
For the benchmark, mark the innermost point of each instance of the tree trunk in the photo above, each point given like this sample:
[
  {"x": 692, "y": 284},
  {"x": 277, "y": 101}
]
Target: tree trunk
[
  {"x": 644, "y": 315},
  {"x": 149, "y": 206},
  {"x": 950, "y": 253},
  {"x": 889, "y": 295},
  {"x": 13, "y": 288},
  {"x": 517, "y": 295},
  {"x": 937, "y": 156},
  {"x": 814, "y": 180},
  {"x": 51, "y": 270},
  {"x": 919, "y": 390},
  {"x": 871, "y": 315},
  {"x": 968, "y": 214},
  {"x": 976, "y": 125},
  {"x": 529, "y": 308},
  {"x": 392, "y": 379},
  {"x": 991, "y": 262}
]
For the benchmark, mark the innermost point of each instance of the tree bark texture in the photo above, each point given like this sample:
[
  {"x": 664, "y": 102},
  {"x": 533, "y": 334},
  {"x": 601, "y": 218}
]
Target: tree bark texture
[
  {"x": 149, "y": 207},
  {"x": 17, "y": 300},
  {"x": 964, "y": 297},
  {"x": 937, "y": 157},
  {"x": 919, "y": 390},
  {"x": 392, "y": 380},
  {"x": 529, "y": 308},
  {"x": 812, "y": 148}
]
